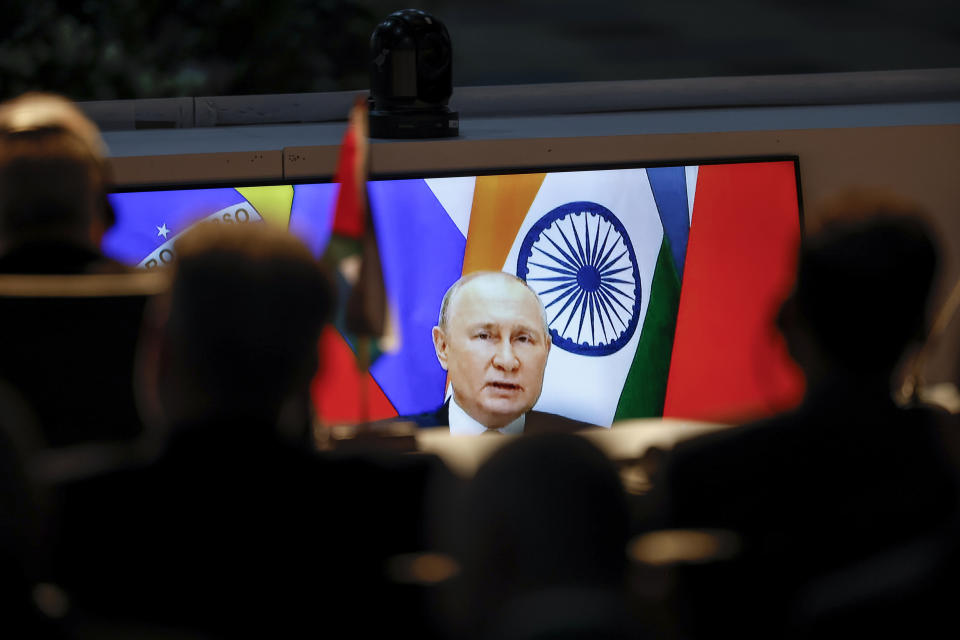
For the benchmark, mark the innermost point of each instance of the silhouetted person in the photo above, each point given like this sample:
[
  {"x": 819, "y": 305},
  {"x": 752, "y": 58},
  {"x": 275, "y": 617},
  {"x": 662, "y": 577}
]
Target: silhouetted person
[
  {"x": 239, "y": 527},
  {"x": 845, "y": 476},
  {"x": 540, "y": 534},
  {"x": 53, "y": 185},
  {"x": 222, "y": 532},
  {"x": 71, "y": 315}
]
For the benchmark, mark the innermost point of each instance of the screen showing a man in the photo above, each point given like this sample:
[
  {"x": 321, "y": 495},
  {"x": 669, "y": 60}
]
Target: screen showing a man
[
  {"x": 493, "y": 341},
  {"x": 662, "y": 322}
]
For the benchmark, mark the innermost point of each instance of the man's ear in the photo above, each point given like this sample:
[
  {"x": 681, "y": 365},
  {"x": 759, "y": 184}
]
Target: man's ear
[
  {"x": 799, "y": 339},
  {"x": 440, "y": 346}
]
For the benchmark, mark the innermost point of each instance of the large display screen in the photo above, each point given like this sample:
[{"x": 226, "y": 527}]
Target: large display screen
[{"x": 660, "y": 283}]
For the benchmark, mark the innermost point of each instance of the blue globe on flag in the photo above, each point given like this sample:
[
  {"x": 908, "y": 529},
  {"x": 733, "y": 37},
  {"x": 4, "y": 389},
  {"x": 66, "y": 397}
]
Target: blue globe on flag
[{"x": 580, "y": 261}]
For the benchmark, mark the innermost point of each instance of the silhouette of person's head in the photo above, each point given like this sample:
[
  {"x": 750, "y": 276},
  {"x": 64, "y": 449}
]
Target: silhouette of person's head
[
  {"x": 246, "y": 307},
  {"x": 53, "y": 176},
  {"x": 544, "y": 512},
  {"x": 863, "y": 285}
]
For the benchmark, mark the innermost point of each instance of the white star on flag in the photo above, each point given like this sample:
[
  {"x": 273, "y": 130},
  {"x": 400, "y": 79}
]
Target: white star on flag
[{"x": 163, "y": 231}]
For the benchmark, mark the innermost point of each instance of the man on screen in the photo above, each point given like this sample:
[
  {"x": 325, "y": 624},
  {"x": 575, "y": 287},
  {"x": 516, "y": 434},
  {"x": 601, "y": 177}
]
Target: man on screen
[{"x": 492, "y": 338}]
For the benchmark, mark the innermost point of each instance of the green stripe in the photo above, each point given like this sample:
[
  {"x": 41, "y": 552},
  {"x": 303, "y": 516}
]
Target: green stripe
[{"x": 646, "y": 385}]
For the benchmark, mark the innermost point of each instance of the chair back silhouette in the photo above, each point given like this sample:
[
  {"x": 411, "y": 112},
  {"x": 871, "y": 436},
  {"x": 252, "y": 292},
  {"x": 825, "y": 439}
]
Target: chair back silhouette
[{"x": 69, "y": 343}]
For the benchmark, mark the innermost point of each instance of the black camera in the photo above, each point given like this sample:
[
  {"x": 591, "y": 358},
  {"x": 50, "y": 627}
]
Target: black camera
[{"x": 411, "y": 78}]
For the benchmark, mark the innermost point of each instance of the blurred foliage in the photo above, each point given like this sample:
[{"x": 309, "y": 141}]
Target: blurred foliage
[
  {"x": 103, "y": 49},
  {"x": 112, "y": 49}
]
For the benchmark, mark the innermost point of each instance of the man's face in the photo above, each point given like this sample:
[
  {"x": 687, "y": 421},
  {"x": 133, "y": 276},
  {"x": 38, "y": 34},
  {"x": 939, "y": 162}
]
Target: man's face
[{"x": 495, "y": 348}]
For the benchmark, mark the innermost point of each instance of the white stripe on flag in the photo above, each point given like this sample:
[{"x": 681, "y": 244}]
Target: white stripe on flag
[
  {"x": 456, "y": 198},
  {"x": 691, "y": 175},
  {"x": 588, "y": 387}
]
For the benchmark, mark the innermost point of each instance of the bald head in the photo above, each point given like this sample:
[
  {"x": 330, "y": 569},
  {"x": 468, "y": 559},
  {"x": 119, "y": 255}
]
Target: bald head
[{"x": 35, "y": 111}]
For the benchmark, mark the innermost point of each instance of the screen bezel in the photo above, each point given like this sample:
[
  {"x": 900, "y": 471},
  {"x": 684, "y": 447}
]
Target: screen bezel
[
  {"x": 492, "y": 171},
  {"x": 504, "y": 171}
]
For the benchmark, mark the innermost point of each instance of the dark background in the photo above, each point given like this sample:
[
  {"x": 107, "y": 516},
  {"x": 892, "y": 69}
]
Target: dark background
[{"x": 108, "y": 49}]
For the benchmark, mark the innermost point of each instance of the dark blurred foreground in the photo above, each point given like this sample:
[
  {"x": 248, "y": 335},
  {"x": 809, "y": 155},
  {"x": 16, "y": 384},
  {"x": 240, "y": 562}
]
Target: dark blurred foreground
[{"x": 217, "y": 514}]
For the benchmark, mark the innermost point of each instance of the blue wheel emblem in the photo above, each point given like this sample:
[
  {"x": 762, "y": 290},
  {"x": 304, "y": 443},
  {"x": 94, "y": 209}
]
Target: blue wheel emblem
[{"x": 580, "y": 261}]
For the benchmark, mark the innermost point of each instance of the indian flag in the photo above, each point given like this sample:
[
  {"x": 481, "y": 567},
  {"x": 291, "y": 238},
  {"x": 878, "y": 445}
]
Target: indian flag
[{"x": 604, "y": 250}]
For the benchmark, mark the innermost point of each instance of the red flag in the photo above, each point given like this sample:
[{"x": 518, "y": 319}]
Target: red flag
[
  {"x": 349, "y": 219},
  {"x": 353, "y": 253},
  {"x": 729, "y": 363},
  {"x": 354, "y": 238},
  {"x": 339, "y": 386}
]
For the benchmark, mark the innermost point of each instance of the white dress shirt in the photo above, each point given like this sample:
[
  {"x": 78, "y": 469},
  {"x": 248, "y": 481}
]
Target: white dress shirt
[{"x": 461, "y": 424}]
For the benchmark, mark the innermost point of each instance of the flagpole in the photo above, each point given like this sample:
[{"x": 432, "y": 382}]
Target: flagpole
[
  {"x": 353, "y": 252},
  {"x": 363, "y": 365}
]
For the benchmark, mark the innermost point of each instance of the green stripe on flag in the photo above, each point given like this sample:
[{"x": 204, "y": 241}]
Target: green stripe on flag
[{"x": 646, "y": 385}]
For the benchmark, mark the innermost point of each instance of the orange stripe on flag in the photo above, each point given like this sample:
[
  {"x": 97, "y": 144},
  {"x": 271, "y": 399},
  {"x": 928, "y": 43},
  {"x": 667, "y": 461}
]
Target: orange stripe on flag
[{"x": 500, "y": 203}]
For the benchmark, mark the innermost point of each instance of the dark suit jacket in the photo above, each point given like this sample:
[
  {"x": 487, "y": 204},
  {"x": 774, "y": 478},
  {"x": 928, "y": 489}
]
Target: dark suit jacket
[
  {"x": 236, "y": 532},
  {"x": 845, "y": 476},
  {"x": 536, "y": 421}
]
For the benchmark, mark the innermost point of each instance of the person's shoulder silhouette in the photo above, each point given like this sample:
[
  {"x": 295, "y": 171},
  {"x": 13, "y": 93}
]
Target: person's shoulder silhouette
[{"x": 848, "y": 472}]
